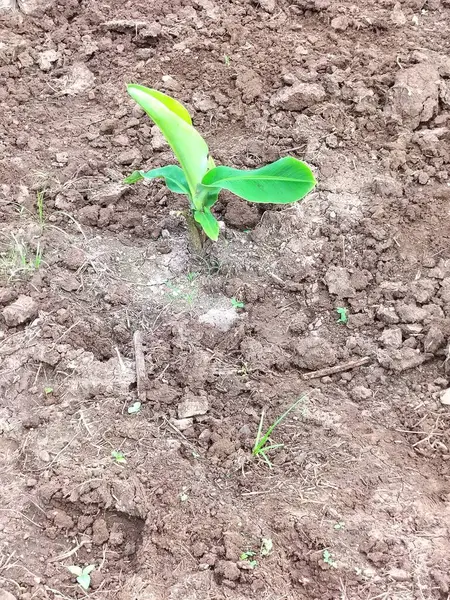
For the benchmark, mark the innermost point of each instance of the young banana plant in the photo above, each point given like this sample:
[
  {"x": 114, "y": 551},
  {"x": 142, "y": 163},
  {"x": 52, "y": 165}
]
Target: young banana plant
[{"x": 281, "y": 182}]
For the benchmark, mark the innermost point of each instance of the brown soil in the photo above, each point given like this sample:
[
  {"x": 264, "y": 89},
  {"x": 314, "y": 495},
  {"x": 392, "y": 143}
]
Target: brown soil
[{"x": 357, "y": 504}]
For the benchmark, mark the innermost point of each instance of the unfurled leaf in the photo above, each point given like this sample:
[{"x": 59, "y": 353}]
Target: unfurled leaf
[
  {"x": 328, "y": 559},
  {"x": 172, "y": 104},
  {"x": 119, "y": 457},
  {"x": 88, "y": 569},
  {"x": 282, "y": 182},
  {"x": 134, "y": 177},
  {"x": 211, "y": 198},
  {"x": 134, "y": 408},
  {"x": 187, "y": 144},
  {"x": 208, "y": 223},
  {"x": 211, "y": 163},
  {"x": 343, "y": 314},
  {"x": 84, "y": 580},
  {"x": 237, "y": 303},
  {"x": 172, "y": 174},
  {"x": 75, "y": 570}
]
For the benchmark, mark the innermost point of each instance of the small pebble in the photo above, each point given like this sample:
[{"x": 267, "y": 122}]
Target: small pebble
[
  {"x": 44, "y": 456},
  {"x": 445, "y": 397}
]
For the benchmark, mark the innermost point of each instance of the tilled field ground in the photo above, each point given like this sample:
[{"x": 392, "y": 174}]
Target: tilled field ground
[{"x": 357, "y": 504}]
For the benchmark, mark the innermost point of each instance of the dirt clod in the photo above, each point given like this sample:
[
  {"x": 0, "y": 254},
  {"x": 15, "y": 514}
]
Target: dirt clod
[
  {"x": 400, "y": 359},
  {"x": 410, "y": 313},
  {"x": 314, "y": 353},
  {"x": 340, "y": 23},
  {"x": 4, "y": 594},
  {"x": 388, "y": 315},
  {"x": 361, "y": 393},
  {"x": 128, "y": 157},
  {"x": 62, "y": 520},
  {"x": 241, "y": 214},
  {"x": 392, "y": 338},
  {"x": 268, "y": 5},
  {"x": 228, "y": 570},
  {"x": 338, "y": 282},
  {"x": 415, "y": 95},
  {"x": 100, "y": 533},
  {"x": 298, "y": 97},
  {"x": 434, "y": 340},
  {"x": 7, "y": 295},
  {"x": 19, "y": 312},
  {"x": 47, "y": 58},
  {"x": 249, "y": 84},
  {"x": 74, "y": 258},
  {"x": 192, "y": 406}
]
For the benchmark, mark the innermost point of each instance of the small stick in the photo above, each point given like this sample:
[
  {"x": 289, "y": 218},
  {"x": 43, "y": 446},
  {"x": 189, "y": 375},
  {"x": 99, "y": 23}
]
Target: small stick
[
  {"x": 337, "y": 369},
  {"x": 67, "y": 554},
  {"x": 140, "y": 366},
  {"x": 123, "y": 24},
  {"x": 120, "y": 359}
]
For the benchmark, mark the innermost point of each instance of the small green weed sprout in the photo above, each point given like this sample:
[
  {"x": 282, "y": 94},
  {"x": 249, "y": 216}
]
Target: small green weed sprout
[
  {"x": 119, "y": 457},
  {"x": 248, "y": 556},
  {"x": 48, "y": 391},
  {"x": 284, "y": 181},
  {"x": 343, "y": 314},
  {"x": 328, "y": 559},
  {"x": 339, "y": 525},
  {"x": 261, "y": 446},
  {"x": 83, "y": 575},
  {"x": 18, "y": 260},
  {"x": 177, "y": 293},
  {"x": 264, "y": 550},
  {"x": 243, "y": 370},
  {"x": 237, "y": 303},
  {"x": 134, "y": 408},
  {"x": 183, "y": 495}
]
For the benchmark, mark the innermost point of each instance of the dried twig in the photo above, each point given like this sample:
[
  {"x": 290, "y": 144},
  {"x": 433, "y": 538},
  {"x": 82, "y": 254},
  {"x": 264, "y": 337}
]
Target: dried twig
[
  {"x": 338, "y": 368},
  {"x": 140, "y": 366},
  {"x": 122, "y": 25},
  {"x": 67, "y": 554}
]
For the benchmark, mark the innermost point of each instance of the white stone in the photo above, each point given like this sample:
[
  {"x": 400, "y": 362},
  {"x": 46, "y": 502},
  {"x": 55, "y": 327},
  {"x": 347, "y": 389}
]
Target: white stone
[
  {"x": 221, "y": 318},
  {"x": 445, "y": 397},
  {"x": 46, "y": 58}
]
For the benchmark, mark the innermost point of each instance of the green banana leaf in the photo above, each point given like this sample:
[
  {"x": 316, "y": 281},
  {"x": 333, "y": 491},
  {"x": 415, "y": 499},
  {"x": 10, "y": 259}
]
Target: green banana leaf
[
  {"x": 187, "y": 144},
  {"x": 282, "y": 182},
  {"x": 172, "y": 104},
  {"x": 172, "y": 174},
  {"x": 208, "y": 223},
  {"x": 211, "y": 198}
]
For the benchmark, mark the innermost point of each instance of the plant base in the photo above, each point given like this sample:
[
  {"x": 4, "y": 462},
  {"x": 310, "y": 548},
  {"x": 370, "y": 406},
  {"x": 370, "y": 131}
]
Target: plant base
[{"x": 196, "y": 238}]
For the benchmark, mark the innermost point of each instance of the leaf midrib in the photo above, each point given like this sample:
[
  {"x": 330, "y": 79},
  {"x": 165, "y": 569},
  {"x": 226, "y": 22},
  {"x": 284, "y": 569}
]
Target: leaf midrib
[{"x": 271, "y": 178}]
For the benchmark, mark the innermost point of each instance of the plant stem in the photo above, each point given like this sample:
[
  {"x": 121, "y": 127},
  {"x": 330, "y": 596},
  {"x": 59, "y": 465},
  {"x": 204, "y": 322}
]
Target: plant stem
[{"x": 195, "y": 236}]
